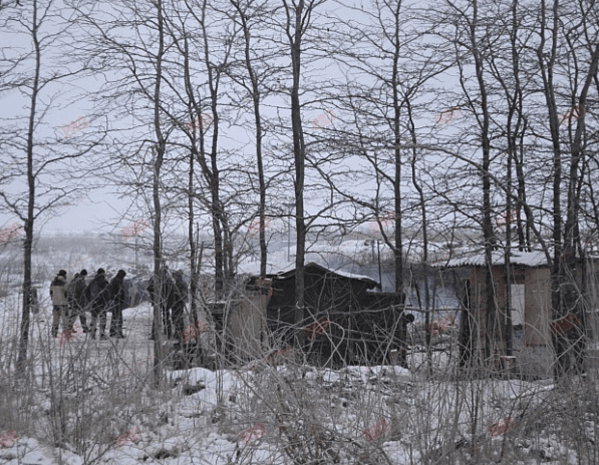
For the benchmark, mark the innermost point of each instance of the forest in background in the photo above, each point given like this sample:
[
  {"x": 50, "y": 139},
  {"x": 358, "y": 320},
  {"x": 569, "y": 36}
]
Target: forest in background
[{"x": 221, "y": 117}]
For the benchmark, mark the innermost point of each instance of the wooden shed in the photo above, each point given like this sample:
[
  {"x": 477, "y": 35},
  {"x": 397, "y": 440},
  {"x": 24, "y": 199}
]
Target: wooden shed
[
  {"x": 241, "y": 323},
  {"x": 526, "y": 346}
]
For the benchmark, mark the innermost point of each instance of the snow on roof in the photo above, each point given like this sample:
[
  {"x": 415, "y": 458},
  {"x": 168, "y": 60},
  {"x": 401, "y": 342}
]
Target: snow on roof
[
  {"x": 347, "y": 274},
  {"x": 530, "y": 259},
  {"x": 338, "y": 272},
  {"x": 252, "y": 268}
]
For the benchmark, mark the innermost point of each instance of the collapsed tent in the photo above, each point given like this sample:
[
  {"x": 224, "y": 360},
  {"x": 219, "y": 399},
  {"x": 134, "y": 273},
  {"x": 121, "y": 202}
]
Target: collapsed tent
[{"x": 344, "y": 322}]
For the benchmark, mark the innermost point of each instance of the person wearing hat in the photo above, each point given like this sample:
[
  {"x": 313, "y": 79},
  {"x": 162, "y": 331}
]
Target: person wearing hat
[
  {"x": 60, "y": 303},
  {"x": 117, "y": 304},
  {"x": 76, "y": 298},
  {"x": 97, "y": 295}
]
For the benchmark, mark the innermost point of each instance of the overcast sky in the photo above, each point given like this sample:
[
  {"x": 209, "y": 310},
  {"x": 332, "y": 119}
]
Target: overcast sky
[{"x": 99, "y": 210}]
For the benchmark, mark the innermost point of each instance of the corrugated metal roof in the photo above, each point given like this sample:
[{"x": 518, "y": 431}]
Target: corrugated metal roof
[{"x": 530, "y": 259}]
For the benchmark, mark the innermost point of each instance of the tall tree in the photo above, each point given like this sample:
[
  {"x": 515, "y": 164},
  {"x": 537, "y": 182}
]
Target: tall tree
[
  {"x": 202, "y": 38},
  {"x": 158, "y": 152},
  {"x": 134, "y": 68},
  {"x": 382, "y": 54},
  {"x": 258, "y": 68},
  {"x": 297, "y": 23},
  {"x": 557, "y": 41},
  {"x": 215, "y": 36},
  {"x": 37, "y": 166},
  {"x": 505, "y": 70},
  {"x": 469, "y": 27}
]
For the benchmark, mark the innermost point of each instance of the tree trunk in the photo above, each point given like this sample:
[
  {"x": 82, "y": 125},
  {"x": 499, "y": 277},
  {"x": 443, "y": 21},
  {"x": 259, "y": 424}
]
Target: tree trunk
[
  {"x": 487, "y": 225},
  {"x": 295, "y": 33},
  {"x": 30, "y": 218},
  {"x": 398, "y": 246},
  {"x": 256, "y": 101},
  {"x": 159, "y": 150}
]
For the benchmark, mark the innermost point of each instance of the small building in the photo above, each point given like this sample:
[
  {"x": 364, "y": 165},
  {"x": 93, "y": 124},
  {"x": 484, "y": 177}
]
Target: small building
[
  {"x": 345, "y": 320},
  {"x": 240, "y": 323},
  {"x": 527, "y": 345}
]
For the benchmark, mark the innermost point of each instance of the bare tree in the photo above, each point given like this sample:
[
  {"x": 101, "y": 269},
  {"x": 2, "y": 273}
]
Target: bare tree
[
  {"x": 297, "y": 23},
  {"x": 255, "y": 79},
  {"x": 137, "y": 70},
  {"x": 557, "y": 40},
  {"x": 159, "y": 149},
  {"x": 213, "y": 53},
  {"x": 473, "y": 40},
  {"x": 39, "y": 167},
  {"x": 202, "y": 40},
  {"x": 382, "y": 54}
]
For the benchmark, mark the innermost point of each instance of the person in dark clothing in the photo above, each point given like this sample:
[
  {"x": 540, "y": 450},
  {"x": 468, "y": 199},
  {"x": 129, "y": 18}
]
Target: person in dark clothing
[
  {"x": 177, "y": 305},
  {"x": 166, "y": 285},
  {"x": 60, "y": 303},
  {"x": 117, "y": 304},
  {"x": 97, "y": 294},
  {"x": 75, "y": 294}
]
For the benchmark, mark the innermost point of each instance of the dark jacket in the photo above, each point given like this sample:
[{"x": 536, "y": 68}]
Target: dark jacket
[
  {"x": 167, "y": 286},
  {"x": 97, "y": 293},
  {"x": 117, "y": 291},
  {"x": 75, "y": 290},
  {"x": 179, "y": 294}
]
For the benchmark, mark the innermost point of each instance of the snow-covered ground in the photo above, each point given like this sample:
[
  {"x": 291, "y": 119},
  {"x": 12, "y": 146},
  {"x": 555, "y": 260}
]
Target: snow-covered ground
[
  {"x": 87, "y": 401},
  {"x": 93, "y": 401}
]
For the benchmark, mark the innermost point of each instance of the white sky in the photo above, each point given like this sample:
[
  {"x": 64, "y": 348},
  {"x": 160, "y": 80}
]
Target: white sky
[{"x": 101, "y": 210}]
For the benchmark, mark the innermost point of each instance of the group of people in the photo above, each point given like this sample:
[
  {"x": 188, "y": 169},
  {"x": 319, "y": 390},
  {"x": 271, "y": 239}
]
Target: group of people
[{"x": 71, "y": 299}]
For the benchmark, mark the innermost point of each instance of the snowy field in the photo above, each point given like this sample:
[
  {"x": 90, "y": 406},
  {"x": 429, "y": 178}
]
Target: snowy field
[
  {"x": 85, "y": 401},
  {"x": 92, "y": 401}
]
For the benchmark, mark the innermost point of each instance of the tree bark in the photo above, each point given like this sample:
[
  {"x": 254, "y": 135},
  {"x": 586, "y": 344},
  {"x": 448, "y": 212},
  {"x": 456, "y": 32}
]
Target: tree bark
[
  {"x": 29, "y": 220},
  {"x": 295, "y": 30},
  {"x": 158, "y": 151}
]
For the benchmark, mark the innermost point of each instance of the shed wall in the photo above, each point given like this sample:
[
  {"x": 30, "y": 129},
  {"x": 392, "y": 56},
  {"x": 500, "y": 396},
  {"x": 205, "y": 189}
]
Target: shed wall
[
  {"x": 247, "y": 324},
  {"x": 532, "y": 343},
  {"x": 538, "y": 307}
]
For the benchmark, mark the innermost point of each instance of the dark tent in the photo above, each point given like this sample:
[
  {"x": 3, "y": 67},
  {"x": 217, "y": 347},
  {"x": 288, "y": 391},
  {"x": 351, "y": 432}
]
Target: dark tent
[{"x": 344, "y": 322}]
